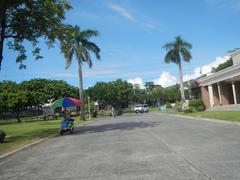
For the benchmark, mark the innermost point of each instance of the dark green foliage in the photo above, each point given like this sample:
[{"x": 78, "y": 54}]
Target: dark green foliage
[
  {"x": 31, "y": 94},
  {"x": 168, "y": 105},
  {"x": 149, "y": 85},
  {"x": 172, "y": 94},
  {"x": 222, "y": 66},
  {"x": 196, "y": 104},
  {"x": 117, "y": 93},
  {"x": 24, "y": 20},
  {"x": 120, "y": 93},
  {"x": 75, "y": 41},
  {"x": 18, "y": 101}
]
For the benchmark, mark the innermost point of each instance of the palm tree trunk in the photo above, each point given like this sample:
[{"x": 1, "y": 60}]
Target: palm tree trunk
[
  {"x": 3, "y": 26},
  {"x": 82, "y": 115},
  {"x": 181, "y": 82}
]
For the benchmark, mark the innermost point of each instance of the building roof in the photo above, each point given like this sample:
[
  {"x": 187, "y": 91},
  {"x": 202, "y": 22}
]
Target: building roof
[{"x": 223, "y": 75}]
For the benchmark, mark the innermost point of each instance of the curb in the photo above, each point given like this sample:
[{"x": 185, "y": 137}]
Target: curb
[
  {"x": 24, "y": 147},
  {"x": 32, "y": 144},
  {"x": 203, "y": 119}
]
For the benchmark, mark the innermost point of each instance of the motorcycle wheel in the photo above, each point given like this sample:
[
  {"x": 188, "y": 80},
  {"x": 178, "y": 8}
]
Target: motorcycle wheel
[
  {"x": 71, "y": 131},
  {"x": 61, "y": 132}
]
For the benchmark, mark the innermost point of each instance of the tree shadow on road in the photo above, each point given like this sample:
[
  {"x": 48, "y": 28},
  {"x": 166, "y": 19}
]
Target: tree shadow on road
[{"x": 114, "y": 126}]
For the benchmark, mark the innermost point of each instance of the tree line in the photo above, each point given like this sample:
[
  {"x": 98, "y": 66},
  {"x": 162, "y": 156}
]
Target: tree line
[
  {"x": 32, "y": 94},
  {"x": 121, "y": 94}
]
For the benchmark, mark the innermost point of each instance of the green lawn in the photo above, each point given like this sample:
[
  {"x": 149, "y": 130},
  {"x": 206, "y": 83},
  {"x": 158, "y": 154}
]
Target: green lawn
[
  {"x": 30, "y": 130},
  {"x": 228, "y": 116}
]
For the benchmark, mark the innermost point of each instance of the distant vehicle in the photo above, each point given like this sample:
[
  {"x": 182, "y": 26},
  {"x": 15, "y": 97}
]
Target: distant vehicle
[{"x": 141, "y": 108}]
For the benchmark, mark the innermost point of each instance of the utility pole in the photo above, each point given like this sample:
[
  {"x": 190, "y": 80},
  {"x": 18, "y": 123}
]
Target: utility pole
[{"x": 89, "y": 108}]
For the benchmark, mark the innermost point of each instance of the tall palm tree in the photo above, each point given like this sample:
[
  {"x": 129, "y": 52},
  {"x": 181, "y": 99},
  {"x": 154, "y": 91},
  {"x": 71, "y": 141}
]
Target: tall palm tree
[
  {"x": 177, "y": 50},
  {"x": 77, "y": 42}
]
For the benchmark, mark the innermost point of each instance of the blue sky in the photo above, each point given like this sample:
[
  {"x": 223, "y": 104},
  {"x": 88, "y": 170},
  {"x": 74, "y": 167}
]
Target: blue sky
[{"x": 132, "y": 33}]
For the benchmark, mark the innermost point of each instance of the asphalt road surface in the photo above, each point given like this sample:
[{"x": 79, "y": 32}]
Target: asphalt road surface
[{"x": 148, "y": 146}]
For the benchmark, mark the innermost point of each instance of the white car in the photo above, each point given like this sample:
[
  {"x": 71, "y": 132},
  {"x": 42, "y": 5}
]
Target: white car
[{"x": 141, "y": 108}]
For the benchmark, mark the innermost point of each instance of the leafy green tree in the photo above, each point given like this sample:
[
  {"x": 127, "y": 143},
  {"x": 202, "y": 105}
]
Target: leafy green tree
[
  {"x": 3, "y": 105},
  {"x": 6, "y": 87},
  {"x": 149, "y": 85},
  {"x": 101, "y": 92},
  {"x": 116, "y": 93},
  {"x": 157, "y": 94},
  {"x": 222, "y": 66},
  {"x": 43, "y": 90},
  {"x": 17, "y": 102},
  {"x": 122, "y": 91},
  {"x": 25, "y": 20},
  {"x": 75, "y": 41},
  {"x": 34, "y": 93},
  {"x": 172, "y": 94},
  {"x": 178, "y": 50}
]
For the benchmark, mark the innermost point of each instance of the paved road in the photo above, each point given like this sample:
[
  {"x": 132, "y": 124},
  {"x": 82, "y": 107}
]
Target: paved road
[{"x": 148, "y": 146}]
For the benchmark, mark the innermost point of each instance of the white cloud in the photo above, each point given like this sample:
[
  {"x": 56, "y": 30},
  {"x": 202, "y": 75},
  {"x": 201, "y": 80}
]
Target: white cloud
[
  {"x": 148, "y": 25},
  {"x": 138, "y": 81},
  {"x": 206, "y": 69},
  {"x": 166, "y": 79},
  {"x": 123, "y": 12}
]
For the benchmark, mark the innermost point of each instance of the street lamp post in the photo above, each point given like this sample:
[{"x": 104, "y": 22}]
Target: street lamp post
[{"x": 89, "y": 109}]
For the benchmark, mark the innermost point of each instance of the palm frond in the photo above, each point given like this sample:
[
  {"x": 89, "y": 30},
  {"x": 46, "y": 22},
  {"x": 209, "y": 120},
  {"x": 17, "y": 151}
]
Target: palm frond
[
  {"x": 185, "y": 54},
  {"x": 172, "y": 56},
  {"x": 169, "y": 58},
  {"x": 169, "y": 46},
  {"x": 68, "y": 56},
  {"x": 87, "y": 57},
  {"x": 179, "y": 46},
  {"x": 186, "y": 45},
  {"x": 92, "y": 47},
  {"x": 86, "y": 34},
  {"x": 76, "y": 41}
]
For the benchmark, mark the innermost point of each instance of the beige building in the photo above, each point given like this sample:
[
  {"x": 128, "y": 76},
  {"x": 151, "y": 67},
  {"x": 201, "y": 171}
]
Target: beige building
[{"x": 221, "y": 90}]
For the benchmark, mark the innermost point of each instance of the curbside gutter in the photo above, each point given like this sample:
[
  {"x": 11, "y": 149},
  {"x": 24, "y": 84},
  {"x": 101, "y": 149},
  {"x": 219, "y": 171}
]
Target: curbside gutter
[{"x": 203, "y": 119}]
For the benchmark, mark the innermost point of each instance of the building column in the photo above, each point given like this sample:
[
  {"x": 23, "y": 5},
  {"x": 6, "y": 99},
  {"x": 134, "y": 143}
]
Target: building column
[
  {"x": 210, "y": 91},
  {"x": 219, "y": 93},
  {"x": 234, "y": 93}
]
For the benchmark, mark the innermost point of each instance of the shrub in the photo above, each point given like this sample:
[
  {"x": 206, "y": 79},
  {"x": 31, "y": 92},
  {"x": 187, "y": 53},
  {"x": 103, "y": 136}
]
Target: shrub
[
  {"x": 168, "y": 105},
  {"x": 197, "y": 104},
  {"x": 188, "y": 110},
  {"x": 2, "y": 136},
  {"x": 178, "y": 106}
]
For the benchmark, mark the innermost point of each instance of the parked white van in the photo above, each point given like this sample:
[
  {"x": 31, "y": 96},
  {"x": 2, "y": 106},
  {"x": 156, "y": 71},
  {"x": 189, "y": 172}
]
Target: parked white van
[{"x": 141, "y": 108}]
